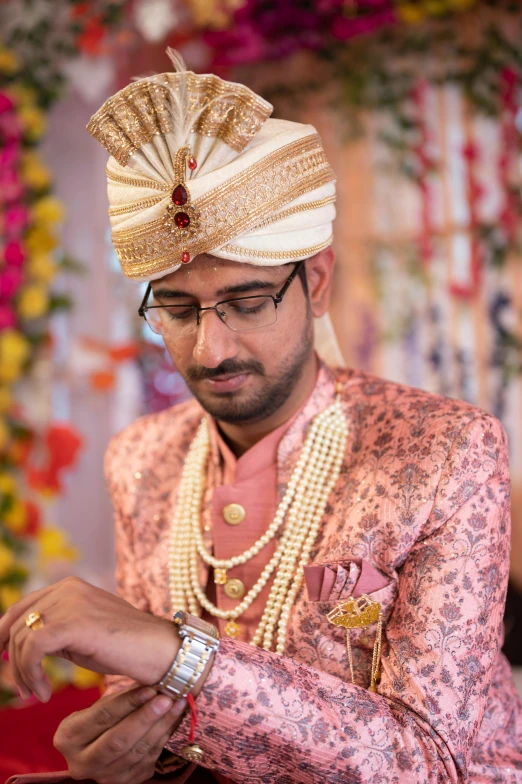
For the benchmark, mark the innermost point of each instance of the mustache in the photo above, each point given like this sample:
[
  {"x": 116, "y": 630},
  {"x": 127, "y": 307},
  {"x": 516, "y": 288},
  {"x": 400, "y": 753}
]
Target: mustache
[{"x": 228, "y": 367}]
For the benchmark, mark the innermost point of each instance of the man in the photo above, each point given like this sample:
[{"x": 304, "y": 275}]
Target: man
[{"x": 348, "y": 536}]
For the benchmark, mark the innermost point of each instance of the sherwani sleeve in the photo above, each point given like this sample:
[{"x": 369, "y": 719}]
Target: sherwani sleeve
[
  {"x": 286, "y": 721},
  {"x": 129, "y": 585}
]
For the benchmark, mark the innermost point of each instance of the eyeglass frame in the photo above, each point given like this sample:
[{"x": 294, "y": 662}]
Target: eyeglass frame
[{"x": 276, "y": 298}]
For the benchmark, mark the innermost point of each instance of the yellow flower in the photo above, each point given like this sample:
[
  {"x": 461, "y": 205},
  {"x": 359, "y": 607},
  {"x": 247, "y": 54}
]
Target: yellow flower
[
  {"x": 411, "y": 13},
  {"x": 9, "y": 373},
  {"x": 54, "y": 545},
  {"x": 34, "y": 172},
  {"x": 8, "y": 595},
  {"x": 7, "y": 559},
  {"x": 4, "y": 436},
  {"x": 16, "y": 517},
  {"x": 22, "y": 95},
  {"x": 9, "y": 63},
  {"x": 39, "y": 240},
  {"x": 14, "y": 350},
  {"x": 42, "y": 267},
  {"x": 48, "y": 210},
  {"x": 14, "y": 347},
  {"x": 6, "y": 400},
  {"x": 7, "y": 484},
  {"x": 85, "y": 679},
  {"x": 33, "y": 122},
  {"x": 33, "y": 301}
]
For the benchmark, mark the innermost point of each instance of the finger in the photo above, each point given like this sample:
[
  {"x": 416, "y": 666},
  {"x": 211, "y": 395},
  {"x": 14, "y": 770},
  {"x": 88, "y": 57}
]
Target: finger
[
  {"x": 25, "y": 693},
  {"x": 31, "y": 672},
  {"x": 30, "y": 648},
  {"x": 82, "y": 728},
  {"x": 144, "y": 769},
  {"x": 116, "y": 743},
  {"x": 17, "y": 610},
  {"x": 149, "y": 746}
]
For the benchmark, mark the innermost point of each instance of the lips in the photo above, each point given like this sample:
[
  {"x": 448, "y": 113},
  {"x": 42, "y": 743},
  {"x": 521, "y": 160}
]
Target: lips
[{"x": 227, "y": 383}]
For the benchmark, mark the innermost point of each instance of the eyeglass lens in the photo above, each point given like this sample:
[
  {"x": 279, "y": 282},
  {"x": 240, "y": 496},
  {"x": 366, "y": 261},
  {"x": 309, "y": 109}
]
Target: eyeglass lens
[{"x": 239, "y": 315}]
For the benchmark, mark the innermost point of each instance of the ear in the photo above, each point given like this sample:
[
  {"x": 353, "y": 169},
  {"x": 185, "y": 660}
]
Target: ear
[{"x": 319, "y": 275}]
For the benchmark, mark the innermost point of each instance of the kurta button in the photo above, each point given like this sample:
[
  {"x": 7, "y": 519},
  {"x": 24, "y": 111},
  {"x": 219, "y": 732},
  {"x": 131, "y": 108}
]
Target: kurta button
[
  {"x": 193, "y": 752},
  {"x": 234, "y": 514},
  {"x": 234, "y": 589}
]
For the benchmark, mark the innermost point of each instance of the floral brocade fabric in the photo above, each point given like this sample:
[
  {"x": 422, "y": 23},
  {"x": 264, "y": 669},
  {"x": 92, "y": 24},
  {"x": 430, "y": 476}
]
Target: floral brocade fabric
[{"x": 423, "y": 497}]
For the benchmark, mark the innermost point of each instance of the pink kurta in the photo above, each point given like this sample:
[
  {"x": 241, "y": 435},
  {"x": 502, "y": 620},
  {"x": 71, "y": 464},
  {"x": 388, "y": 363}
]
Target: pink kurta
[{"x": 423, "y": 498}]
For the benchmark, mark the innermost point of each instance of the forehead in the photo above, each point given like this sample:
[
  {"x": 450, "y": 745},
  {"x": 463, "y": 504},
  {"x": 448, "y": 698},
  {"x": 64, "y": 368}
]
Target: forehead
[{"x": 207, "y": 272}]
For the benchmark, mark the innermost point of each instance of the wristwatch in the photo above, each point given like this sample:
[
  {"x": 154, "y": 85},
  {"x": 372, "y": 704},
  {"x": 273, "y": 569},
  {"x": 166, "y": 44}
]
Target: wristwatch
[{"x": 199, "y": 641}]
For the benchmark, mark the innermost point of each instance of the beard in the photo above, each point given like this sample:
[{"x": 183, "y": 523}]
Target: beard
[{"x": 277, "y": 387}]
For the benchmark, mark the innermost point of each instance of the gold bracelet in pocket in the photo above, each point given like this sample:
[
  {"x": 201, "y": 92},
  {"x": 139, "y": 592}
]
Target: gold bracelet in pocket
[{"x": 358, "y": 614}]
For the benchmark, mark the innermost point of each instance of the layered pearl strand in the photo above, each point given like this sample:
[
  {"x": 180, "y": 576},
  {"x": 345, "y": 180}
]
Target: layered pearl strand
[{"x": 303, "y": 504}]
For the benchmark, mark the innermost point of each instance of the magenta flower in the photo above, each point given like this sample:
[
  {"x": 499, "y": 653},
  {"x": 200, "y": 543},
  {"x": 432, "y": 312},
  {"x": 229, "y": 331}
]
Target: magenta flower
[
  {"x": 7, "y": 317},
  {"x": 14, "y": 255},
  {"x": 16, "y": 218},
  {"x": 9, "y": 155},
  {"x": 10, "y": 128},
  {"x": 6, "y": 104},
  {"x": 10, "y": 281},
  {"x": 11, "y": 187},
  {"x": 344, "y": 27}
]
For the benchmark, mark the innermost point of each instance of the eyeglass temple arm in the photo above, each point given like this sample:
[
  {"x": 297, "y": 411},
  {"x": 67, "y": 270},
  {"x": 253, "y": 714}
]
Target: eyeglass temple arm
[
  {"x": 142, "y": 308},
  {"x": 279, "y": 296}
]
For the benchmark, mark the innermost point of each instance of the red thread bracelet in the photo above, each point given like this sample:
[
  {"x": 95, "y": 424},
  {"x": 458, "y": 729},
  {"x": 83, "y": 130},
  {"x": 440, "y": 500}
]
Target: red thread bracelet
[{"x": 193, "y": 717}]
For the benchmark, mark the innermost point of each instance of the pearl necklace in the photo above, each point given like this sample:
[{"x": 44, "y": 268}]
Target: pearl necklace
[{"x": 303, "y": 503}]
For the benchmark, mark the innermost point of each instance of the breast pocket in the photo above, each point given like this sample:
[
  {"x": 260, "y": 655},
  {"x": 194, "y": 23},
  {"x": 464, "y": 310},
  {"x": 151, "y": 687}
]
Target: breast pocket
[{"x": 324, "y": 645}]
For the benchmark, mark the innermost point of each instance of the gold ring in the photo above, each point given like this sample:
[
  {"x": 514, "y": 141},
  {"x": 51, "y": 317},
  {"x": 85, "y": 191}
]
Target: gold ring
[{"x": 34, "y": 620}]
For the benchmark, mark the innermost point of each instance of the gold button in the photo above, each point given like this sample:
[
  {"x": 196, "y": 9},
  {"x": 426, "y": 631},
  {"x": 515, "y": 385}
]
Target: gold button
[
  {"x": 193, "y": 752},
  {"x": 234, "y": 514},
  {"x": 234, "y": 589}
]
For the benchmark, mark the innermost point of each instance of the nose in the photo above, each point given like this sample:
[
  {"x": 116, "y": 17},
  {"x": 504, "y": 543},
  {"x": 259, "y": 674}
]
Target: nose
[{"x": 215, "y": 342}]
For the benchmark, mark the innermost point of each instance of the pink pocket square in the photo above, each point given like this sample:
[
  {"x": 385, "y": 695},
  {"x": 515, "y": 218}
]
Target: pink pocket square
[{"x": 341, "y": 579}]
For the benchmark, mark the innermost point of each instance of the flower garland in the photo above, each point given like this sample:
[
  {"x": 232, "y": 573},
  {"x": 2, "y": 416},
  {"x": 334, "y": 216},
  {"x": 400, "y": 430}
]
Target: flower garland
[
  {"x": 257, "y": 30},
  {"x": 33, "y": 455},
  {"x": 413, "y": 48}
]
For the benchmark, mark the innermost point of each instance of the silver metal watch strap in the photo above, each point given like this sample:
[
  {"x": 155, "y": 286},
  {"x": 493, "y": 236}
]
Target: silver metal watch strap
[{"x": 199, "y": 641}]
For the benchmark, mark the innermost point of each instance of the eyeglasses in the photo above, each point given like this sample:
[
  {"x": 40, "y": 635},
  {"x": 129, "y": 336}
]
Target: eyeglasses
[{"x": 240, "y": 315}]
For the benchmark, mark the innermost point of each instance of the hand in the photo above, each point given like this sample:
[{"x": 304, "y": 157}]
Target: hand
[
  {"x": 89, "y": 626},
  {"x": 119, "y": 738}
]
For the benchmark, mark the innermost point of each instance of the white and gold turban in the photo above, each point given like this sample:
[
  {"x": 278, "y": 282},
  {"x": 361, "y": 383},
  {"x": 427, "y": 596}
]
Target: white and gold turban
[{"x": 197, "y": 167}]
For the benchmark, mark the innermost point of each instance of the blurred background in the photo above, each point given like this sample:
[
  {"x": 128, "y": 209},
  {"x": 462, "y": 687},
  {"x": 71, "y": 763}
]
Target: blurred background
[{"x": 419, "y": 106}]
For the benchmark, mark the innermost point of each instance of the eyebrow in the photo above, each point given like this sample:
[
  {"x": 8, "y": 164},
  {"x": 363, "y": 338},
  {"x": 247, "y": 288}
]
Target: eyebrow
[{"x": 239, "y": 288}]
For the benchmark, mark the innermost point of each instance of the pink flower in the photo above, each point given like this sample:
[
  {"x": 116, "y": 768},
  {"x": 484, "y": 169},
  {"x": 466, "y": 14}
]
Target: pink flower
[
  {"x": 10, "y": 128},
  {"x": 7, "y": 317},
  {"x": 9, "y": 155},
  {"x": 16, "y": 218},
  {"x": 344, "y": 28},
  {"x": 6, "y": 104},
  {"x": 13, "y": 254},
  {"x": 10, "y": 281},
  {"x": 11, "y": 187}
]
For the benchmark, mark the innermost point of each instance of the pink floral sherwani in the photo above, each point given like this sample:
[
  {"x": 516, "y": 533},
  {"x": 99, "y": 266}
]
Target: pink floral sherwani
[{"x": 422, "y": 500}]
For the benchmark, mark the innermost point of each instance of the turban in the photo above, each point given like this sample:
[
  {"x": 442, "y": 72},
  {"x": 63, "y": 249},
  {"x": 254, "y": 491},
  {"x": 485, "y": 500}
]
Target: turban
[{"x": 198, "y": 166}]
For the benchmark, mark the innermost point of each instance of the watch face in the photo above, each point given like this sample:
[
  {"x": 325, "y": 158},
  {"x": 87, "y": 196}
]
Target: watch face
[{"x": 179, "y": 617}]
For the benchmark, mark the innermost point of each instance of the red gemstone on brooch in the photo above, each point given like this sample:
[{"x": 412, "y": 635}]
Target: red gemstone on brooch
[
  {"x": 182, "y": 220},
  {"x": 179, "y": 196},
  {"x": 192, "y": 163},
  {"x": 185, "y": 257}
]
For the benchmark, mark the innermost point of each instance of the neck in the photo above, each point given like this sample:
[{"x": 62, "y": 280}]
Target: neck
[{"x": 241, "y": 438}]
